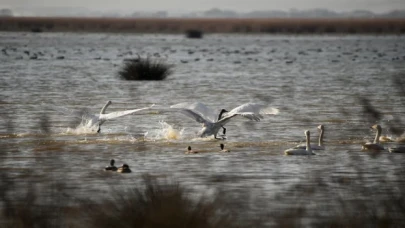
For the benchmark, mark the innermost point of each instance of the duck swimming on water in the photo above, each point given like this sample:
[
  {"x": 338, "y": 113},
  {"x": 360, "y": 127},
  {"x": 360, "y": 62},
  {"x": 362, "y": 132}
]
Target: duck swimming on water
[
  {"x": 124, "y": 169},
  {"x": 222, "y": 146},
  {"x": 111, "y": 167},
  {"x": 190, "y": 151}
]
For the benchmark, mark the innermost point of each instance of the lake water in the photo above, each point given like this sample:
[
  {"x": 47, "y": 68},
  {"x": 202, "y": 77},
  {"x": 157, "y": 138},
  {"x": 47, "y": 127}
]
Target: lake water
[{"x": 312, "y": 80}]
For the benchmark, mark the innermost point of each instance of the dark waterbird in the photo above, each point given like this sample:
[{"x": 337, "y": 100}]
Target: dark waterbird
[{"x": 111, "y": 167}]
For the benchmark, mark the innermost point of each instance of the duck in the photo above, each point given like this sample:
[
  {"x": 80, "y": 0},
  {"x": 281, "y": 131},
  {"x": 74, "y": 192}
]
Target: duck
[
  {"x": 124, "y": 169},
  {"x": 222, "y": 146},
  {"x": 300, "y": 151},
  {"x": 399, "y": 149},
  {"x": 374, "y": 146},
  {"x": 111, "y": 167},
  {"x": 211, "y": 125},
  {"x": 190, "y": 151},
  {"x": 320, "y": 145}
]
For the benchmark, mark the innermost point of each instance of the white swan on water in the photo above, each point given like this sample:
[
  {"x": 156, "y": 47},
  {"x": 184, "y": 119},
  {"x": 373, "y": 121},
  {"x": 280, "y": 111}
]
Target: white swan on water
[
  {"x": 96, "y": 120},
  {"x": 320, "y": 145},
  {"x": 300, "y": 151},
  {"x": 375, "y": 145},
  {"x": 211, "y": 124}
]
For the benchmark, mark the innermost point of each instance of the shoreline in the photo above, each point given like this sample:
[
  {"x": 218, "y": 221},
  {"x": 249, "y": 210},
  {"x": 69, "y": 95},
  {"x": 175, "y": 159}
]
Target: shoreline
[{"x": 377, "y": 26}]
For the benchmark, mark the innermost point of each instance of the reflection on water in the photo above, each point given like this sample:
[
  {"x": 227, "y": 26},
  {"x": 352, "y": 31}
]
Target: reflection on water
[{"x": 329, "y": 80}]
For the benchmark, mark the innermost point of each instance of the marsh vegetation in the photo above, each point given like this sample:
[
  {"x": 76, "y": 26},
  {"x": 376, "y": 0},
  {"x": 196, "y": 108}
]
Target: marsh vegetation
[{"x": 145, "y": 69}]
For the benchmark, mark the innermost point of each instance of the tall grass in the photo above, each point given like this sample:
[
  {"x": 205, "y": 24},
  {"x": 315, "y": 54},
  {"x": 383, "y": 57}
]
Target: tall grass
[
  {"x": 160, "y": 205},
  {"x": 167, "y": 204},
  {"x": 145, "y": 69},
  {"x": 31, "y": 206}
]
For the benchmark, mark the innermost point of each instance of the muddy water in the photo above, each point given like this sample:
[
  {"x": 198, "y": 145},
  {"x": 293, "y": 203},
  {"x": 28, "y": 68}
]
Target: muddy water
[{"x": 313, "y": 80}]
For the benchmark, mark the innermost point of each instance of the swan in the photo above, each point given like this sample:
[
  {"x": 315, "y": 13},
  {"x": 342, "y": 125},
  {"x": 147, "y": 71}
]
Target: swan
[
  {"x": 124, "y": 169},
  {"x": 96, "y": 120},
  {"x": 111, "y": 167},
  {"x": 401, "y": 139},
  {"x": 221, "y": 113},
  {"x": 385, "y": 138},
  {"x": 190, "y": 151},
  {"x": 320, "y": 145},
  {"x": 399, "y": 149},
  {"x": 375, "y": 145},
  {"x": 211, "y": 124},
  {"x": 223, "y": 148},
  {"x": 300, "y": 151}
]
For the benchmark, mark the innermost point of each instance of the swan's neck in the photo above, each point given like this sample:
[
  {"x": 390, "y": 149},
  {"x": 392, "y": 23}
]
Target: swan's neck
[
  {"x": 308, "y": 144},
  {"x": 320, "y": 140},
  {"x": 104, "y": 108},
  {"x": 221, "y": 113},
  {"x": 377, "y": 136}
]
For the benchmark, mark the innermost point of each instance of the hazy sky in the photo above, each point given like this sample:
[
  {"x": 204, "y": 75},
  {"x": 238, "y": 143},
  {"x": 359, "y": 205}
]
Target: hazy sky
[{"x": 199, "y": 5}]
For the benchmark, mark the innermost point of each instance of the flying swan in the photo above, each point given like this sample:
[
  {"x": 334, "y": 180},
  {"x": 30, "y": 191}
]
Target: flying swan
[
  {"x": 212, "y": 124},
  {"x": 96, "y": 120}
]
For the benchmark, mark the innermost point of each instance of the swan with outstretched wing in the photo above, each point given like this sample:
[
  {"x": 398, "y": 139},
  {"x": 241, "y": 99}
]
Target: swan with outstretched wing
[
  {"x": 211, "y": 125},
  {"x": 96, "y": 120}
]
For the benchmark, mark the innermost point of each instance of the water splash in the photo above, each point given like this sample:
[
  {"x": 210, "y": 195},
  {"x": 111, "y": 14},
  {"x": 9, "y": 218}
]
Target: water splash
[
  {"x": 82, "y": 129},
  {"x": 167, "y": 132}
]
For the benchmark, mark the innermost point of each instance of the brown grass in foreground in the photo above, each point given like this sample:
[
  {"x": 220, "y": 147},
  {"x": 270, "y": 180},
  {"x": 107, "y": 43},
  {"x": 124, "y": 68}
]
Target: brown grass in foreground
[
  {"x": 206, "y": 25},
  {"x": 167, "y": 204},
  {"x": 160, "y": 205}
]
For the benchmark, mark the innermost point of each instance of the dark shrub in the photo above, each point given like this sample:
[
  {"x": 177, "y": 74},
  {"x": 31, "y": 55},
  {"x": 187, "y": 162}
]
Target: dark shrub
[
  {"x": 194, "y": 34},
  {"x": 144, "y": 69},
  {"x": 36, "y": 30},
  {"x": 159, "y": 205}
]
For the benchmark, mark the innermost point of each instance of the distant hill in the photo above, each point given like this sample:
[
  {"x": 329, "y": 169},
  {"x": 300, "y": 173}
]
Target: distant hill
[{"x": 212, "y": 13}]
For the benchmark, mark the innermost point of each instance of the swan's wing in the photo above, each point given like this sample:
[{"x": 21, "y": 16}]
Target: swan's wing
[
  {"x": 193, "y": 115},
  {"x": 113, "y": 115},
  {"x": 196, "y": 110},
  {"x": 251, "y": 111},
  {"x": 255, "y": 108}
]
